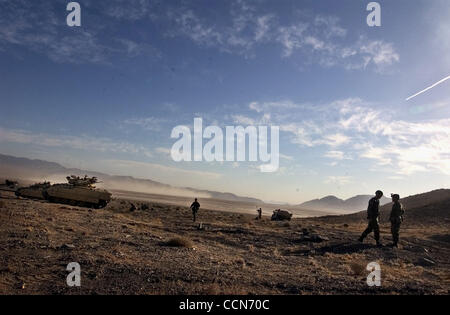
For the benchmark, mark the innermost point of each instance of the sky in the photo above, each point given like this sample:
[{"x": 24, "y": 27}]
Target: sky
[{"x": 105, "y": 96}]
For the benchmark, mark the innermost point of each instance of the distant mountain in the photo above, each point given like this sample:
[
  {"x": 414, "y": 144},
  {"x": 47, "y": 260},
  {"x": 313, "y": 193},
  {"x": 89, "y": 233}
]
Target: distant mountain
[
  {"x": 332, "y": 203},
  {"x": 39, "y": 170}
]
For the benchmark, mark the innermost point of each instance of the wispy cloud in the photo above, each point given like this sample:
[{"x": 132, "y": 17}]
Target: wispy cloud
[
  {"x": 338, "y": 180},
  {"x": 40, "y": 27},
  {"x": 86, "y": 143},
  {"x": 337, "y": 155},
  {"x": 362, "y": 131},
  {"x": 146, "y": 123},
  {"x": 318, "y": 37}
]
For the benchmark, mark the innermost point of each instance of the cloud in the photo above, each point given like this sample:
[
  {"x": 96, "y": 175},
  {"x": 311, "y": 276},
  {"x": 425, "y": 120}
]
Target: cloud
[
  {"x": 73, "y": 142},
  {"x": 147, "y": 123},
  {"x": 337, "y": 155},
  {"x": 244, "y": 29},
  {"x": 362, "y": 130},
  {"x": 319, "y": 38},
  {"x": 40, "y": 27},
  {"x": 338, "y": 180}
]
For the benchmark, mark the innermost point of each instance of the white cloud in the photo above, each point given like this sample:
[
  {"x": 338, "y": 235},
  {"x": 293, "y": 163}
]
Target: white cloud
[
  {"x": 147, "y": 123},
  {"x": 320, "y": 38},
  {"x": 364, "y": 131},
  {"x": 337, "y": 155},
  {"x": 73, "y": 142},
  {"x": 39, "y": 27},
  {"x": 338, "y": 180}
]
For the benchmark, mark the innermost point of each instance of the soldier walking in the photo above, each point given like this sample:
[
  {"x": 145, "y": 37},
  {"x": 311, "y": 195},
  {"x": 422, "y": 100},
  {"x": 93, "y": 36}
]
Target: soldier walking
[
  {"x": 396, "y": 218},
  {"x": 259, "y": 217},
  {"x": 373, "y": 213},
  {"x": 195, "y": 207}
]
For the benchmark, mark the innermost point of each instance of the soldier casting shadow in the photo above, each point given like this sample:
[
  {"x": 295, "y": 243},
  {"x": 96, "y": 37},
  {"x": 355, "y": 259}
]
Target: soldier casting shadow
[
  {"x": 373, "y": 213},
  {"x": 396, "y": 218},
  {"x": 195, "y": 207}
]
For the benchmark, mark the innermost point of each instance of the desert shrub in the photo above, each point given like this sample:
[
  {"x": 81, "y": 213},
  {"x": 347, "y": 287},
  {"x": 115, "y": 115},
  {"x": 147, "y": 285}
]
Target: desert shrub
[
  {"x": 358, "y": 268},
  {"x": 180, "y": 242}
]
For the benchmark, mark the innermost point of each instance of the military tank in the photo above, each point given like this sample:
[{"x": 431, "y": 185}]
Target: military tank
[
  {"x": 35, "y": 191},
  {"x": 78, "y": 192}
]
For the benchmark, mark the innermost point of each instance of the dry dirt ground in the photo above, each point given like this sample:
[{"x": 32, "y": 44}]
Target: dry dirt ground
[{"x": 123, "y": 252}]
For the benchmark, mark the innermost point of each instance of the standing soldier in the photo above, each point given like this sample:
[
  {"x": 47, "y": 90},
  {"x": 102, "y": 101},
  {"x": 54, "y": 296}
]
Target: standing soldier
[
  {"x": 195, "y": 206},
  {"x": 373, "y": 212},
  {"x": 259, "y": 214},
  {"x": 396, "y": 218}
]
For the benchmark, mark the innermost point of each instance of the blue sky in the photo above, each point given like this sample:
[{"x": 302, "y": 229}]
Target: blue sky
[{"x": 105, "y": 96}]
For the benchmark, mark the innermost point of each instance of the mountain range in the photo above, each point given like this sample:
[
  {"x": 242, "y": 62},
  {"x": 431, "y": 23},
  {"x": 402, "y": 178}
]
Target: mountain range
[
  {"x": 39, "y": 170},
  {"x": 356, "y": 203}
]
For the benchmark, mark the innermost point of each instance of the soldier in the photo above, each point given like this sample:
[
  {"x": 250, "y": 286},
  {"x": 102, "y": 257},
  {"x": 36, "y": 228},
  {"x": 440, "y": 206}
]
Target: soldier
[
  {"x": 195, "y": 207},
  {"x": 373, "y": 212},
  {"x": 259, "y": 214},
  {"x": 396, "y": 218}
]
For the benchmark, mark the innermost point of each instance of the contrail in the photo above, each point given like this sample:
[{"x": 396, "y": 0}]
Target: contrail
[{"x": 429, "y": 88}]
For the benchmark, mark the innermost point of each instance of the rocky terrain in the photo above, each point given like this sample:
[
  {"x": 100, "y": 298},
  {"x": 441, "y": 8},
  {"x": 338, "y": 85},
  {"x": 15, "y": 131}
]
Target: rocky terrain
[{"x": 157, "y": 249}]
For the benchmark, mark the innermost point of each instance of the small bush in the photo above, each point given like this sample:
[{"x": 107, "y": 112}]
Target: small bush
[
  {"x": 358, "y": 268},
  {"x": 180, "y": 242}
]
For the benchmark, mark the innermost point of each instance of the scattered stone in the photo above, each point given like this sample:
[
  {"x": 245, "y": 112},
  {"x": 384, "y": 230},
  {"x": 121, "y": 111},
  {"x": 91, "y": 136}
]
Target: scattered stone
[
  {"x": 307, "y": 236},
  {"x": 313, "y": 238},
  {"x": 425, "y": 262},
  {"x": 203, "y": 227},
  {"x": 68, "y": 246}
]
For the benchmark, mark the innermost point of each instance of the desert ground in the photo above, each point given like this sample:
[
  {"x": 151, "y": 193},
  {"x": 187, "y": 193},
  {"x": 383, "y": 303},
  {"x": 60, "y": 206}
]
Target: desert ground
[{"x": 157, "y": 249}]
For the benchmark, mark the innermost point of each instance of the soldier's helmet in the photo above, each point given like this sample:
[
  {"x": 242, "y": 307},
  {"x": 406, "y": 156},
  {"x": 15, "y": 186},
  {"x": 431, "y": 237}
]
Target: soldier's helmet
[
  {"x": 395, "y": 196},
  {"x": 379, "y": 193}
]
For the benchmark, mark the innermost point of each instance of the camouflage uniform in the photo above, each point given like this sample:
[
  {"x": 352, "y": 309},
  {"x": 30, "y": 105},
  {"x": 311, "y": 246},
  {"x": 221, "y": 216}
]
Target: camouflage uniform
[
  {"x": 373, "y": 213},
  {"x": 396, "y": 219}
]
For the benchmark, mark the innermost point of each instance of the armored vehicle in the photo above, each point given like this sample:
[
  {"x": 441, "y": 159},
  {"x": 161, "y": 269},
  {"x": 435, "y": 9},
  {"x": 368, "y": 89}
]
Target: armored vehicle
[
  {"x": 281, "y": 215},
  {"x": 78, "y": 192},
  {"x": 36, "y": 191}
]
